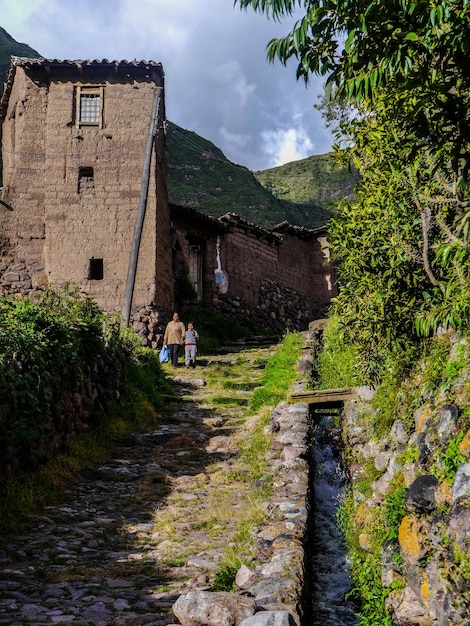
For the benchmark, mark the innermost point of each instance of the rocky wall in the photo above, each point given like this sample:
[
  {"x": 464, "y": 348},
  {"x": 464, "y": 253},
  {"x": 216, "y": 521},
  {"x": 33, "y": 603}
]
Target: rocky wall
[
  {"x": 278, "y": 308},
  {"x": 425, "y": 565},
  {"x": 73, "y": 409}
]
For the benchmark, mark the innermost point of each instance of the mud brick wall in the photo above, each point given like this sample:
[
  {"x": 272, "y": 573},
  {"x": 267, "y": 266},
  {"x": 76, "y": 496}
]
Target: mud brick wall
[
  {"x": 280, "y": 277},
  {"x": 280, "y": 281},
  {"x": 72, "y": 194}
]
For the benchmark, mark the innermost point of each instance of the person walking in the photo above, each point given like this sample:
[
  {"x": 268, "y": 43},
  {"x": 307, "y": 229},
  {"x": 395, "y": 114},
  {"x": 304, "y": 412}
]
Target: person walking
[
  {"x": 174, "y": 338},
  {"x": 190, "y": 346}
]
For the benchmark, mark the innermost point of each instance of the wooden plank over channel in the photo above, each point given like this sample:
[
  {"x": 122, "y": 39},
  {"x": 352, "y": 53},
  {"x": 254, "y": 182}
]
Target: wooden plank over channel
[{"x": 322, "y": 396}]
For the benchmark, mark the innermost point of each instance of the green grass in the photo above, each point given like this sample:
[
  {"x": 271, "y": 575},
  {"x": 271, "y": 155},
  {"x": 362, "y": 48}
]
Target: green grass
[{"x": 280, "y": 373}]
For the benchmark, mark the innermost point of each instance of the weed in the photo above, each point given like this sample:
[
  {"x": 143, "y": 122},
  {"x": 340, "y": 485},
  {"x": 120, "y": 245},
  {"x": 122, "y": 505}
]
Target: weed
[
  {"x": 224, "y": 578},
  {"x": 395, "y": 510}
]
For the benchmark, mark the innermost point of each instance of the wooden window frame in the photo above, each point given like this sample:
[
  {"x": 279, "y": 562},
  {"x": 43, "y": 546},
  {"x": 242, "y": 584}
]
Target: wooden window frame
[{"x": 92, "y": 90}]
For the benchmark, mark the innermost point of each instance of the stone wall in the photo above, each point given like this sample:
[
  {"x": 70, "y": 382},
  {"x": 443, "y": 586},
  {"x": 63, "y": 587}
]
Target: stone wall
[
  {"x": 425, "y": 569},
  {"x": 73, "y": 409}
]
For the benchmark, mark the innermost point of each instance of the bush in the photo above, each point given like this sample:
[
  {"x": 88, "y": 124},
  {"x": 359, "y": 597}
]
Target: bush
[{"x": 336, "y": 363}]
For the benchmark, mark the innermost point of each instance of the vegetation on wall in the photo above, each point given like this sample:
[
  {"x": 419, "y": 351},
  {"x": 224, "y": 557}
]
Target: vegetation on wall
[{"x": 49, "y": 345}]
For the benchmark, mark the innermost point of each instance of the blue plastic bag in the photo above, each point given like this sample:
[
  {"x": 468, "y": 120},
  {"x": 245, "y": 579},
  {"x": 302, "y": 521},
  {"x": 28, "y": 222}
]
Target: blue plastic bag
[{"x": 164, "y": 354}]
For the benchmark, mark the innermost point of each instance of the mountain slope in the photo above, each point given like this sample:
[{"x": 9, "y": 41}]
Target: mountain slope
[
  {"x": 316, "y": 180},
  {"x": 199, "y": 175},
  {"x": 9, "y": 47}
]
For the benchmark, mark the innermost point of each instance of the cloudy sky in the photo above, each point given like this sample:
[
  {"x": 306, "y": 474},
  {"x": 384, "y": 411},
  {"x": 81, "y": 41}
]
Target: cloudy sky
[{"x": 218, "y": 82}]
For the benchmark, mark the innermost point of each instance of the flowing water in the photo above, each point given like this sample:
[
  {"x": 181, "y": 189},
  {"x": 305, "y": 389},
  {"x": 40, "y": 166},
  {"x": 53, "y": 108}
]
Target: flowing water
[{"x": 330, "y": 572}]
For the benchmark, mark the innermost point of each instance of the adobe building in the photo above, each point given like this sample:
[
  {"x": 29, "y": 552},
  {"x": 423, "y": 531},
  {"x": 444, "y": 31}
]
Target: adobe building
[
  {"x": 80, "y": 138},
  {"x": 282, "y": 278}
]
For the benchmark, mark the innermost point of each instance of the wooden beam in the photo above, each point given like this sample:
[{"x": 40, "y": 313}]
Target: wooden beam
[{"x": 322, "y": 396}]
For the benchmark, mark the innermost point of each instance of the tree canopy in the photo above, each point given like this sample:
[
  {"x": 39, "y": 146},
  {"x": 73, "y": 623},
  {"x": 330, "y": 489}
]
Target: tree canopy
[{"x": 403, "y": 240}]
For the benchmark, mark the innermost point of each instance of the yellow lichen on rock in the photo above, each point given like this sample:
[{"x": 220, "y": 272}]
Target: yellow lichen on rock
[
  {"x": 411, "y": 540},
  {"x": 464, "y": 446},
  {"x": 443, "y": 493},
  {"x": 421, "y": 419}
]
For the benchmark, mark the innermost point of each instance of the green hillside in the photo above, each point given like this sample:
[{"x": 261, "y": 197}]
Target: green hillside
[
  {"x": 200, "y": 176},
  {"x": 317, "y": 181},
  {"x": 9, "y": 47}
]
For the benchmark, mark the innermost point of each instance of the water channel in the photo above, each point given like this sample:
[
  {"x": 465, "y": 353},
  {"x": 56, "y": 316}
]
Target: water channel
[{"x": 330, "y": 578}]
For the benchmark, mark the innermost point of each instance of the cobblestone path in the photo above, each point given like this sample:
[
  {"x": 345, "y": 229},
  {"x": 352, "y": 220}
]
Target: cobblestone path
[{"x": 122, "y": 545}]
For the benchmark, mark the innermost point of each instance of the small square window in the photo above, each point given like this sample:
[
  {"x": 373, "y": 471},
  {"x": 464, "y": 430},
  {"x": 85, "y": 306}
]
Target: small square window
[
  {"x": 95, "y": 269},
  {"x": 90, "y": 106}
]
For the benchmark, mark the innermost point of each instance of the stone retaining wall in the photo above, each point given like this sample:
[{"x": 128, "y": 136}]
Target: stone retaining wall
[
  {"x": 73, "y": 409},
  {"x": 425, "y": 568}
]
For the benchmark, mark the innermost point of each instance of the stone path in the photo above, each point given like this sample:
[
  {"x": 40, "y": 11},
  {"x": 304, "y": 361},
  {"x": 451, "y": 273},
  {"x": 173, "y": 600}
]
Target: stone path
[{"x": 123, "y": 544}]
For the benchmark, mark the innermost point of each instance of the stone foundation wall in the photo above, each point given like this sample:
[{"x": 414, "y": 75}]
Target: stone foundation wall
[{"x": 278, "y": 308}]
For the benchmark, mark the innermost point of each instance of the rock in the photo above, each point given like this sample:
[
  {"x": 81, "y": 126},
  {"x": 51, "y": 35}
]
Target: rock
[
  {"x": 421, "y": 494},
  {"x": 275, "y": 591},
  {"x": 412, "y": 538},
  {"x": 382, "y": 460},
  {"x": 244, "y": 577},
  {"x": 190, "y": 382},
  {"x": 201, "y": 563},
  {"x": 458, "y": 525},
  {"x": 365, "y": 393},
  {"x": 447, "y": 422},
  {"x": 382, "y": 484},
  {"x": 293, "y": 452},
  {"x": 206, "y": 608},
  {"x": 270, "y": 618},
  {"x": 399, "y": 433},
  {"x": 461, "y": 486},
  {"x": 405, "y": 608},
  {"x": 318, "y": 325},
  {"x": 221, "y": 444},
  {"x": 422, "y": 417}
]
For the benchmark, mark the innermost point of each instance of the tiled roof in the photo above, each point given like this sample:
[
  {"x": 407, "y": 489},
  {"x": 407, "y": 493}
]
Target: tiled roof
[
  {"x": 127, "y": 67},
  {"x": 41, "y": 61},
  {"x": 299, "y": 231},
  {"x": 233, "y": 218},
  {"x": 194, "y": 214}
]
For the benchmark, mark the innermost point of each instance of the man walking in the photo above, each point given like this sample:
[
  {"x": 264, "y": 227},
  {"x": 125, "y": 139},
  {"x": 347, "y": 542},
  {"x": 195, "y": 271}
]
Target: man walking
[{"x": 174, "y": 338}]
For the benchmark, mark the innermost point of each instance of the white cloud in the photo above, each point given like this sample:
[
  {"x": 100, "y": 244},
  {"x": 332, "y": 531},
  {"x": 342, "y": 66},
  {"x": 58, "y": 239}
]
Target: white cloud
[{"x": 286, "y": 145}]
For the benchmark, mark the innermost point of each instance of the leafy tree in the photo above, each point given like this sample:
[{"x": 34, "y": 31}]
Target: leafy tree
[{"x": 398, "y": 85}]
